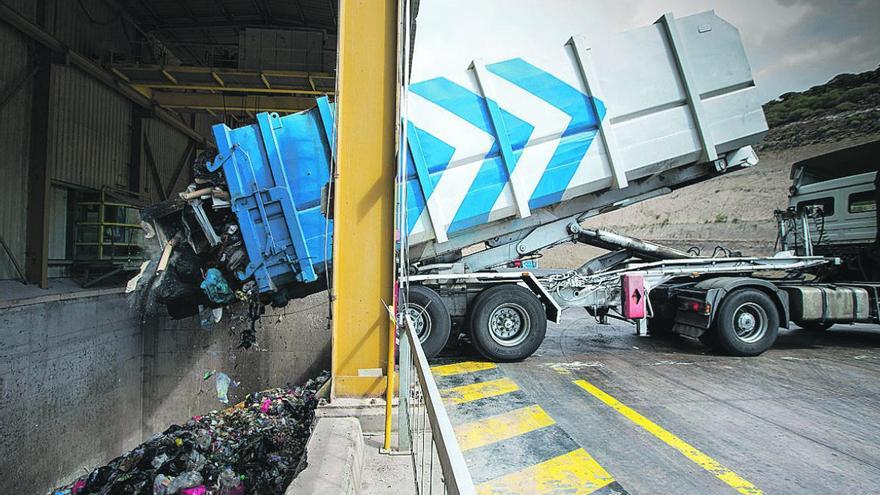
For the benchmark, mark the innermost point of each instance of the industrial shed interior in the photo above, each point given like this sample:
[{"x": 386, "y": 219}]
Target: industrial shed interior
[{"x": 105, "y": 104}]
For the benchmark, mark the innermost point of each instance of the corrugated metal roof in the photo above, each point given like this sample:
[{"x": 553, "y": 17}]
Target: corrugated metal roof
[
  {"x": 90, "y": 27},
  {"x": 219, "y": 22},
  {"x": 319, "y": 14},
  {"x": 14, "y": 135}
]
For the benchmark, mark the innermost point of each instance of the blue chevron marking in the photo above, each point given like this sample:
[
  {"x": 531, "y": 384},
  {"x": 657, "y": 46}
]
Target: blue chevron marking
[
  {"x": 432, "y": 156},
  {"x": 577, "y": 137},
  {"x": 456, "y": 99},
  {"x": 493, "y": 174},
  {"x": 415, "y": 200}
]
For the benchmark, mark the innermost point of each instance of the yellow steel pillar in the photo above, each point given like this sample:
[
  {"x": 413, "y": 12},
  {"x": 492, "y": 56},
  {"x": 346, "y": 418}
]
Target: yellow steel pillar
[{"x": 363, "y": 238}]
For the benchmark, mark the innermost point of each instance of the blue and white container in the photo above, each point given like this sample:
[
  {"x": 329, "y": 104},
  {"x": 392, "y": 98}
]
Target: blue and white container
[{"x": 498, "y": 148}]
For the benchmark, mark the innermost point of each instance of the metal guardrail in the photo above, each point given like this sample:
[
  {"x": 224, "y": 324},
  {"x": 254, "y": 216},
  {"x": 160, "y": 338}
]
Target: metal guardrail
[{"x": 424, "y": 428}]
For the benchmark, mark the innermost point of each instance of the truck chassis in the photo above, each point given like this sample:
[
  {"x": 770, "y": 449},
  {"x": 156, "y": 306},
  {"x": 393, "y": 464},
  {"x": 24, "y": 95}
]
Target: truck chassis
[{"x": 734, "y": 304}]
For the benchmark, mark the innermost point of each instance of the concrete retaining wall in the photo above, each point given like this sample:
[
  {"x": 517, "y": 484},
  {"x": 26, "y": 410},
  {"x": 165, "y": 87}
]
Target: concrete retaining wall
[
  {"x": 293, "y": 345},
  {"x": 70, "y": 389},
  {"x": 83, "y": 380}
]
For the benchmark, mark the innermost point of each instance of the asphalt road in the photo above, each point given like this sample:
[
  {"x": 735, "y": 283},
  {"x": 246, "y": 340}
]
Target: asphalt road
[{"x": 668, "y": 416}]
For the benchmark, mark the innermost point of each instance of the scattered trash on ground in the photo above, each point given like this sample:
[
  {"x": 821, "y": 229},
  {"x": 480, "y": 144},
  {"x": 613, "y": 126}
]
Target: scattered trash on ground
[
  {"x": 567, "y": 368},
  {"x": 864, "y": 356},
  {"x": 253, "y": 447}
]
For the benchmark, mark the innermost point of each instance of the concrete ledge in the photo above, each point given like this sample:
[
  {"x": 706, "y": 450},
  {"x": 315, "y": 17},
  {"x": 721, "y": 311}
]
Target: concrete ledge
[
  {"x": 79, "y": 294},
  {"x": 369, "y": 412},
  {"x": 334, "y": 457}
]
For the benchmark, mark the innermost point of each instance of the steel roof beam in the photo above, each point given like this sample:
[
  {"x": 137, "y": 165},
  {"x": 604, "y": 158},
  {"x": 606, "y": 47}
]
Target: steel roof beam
[
  {"x": 190, "y": 69},
  {"x": 94, "y": 70},
  {"x": 175, "y": 24},
  {"x": 206, "y": 101},
  {"x": 234, "y": 89},
  {"x": 301, "y": 12}
]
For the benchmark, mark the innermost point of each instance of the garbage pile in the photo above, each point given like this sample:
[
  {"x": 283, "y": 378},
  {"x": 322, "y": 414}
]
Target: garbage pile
[{"x": 256, "y": 447}]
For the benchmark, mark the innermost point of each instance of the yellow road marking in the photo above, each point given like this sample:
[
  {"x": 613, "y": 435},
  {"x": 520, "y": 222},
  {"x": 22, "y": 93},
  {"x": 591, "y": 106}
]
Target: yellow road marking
[
  {"x": 461, "y": 368},
  {"x": 575, "y": 473},
  {"x": 476, "y": 391},
  {"x": 698, "y": 457},
  {"x": 501, "y": 427}
]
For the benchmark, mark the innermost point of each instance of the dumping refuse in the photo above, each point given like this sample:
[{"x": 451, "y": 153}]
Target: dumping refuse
[
  {"x": 256, "y": 446},
  {"x": 197, "y": 268},
  {"x": 201, "y": 251}
]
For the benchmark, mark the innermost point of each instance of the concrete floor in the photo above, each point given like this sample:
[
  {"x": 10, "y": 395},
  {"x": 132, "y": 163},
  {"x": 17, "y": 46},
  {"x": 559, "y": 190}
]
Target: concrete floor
[
  {"x": 385, "y": 474},
  {"x": 668, "y": 416}
]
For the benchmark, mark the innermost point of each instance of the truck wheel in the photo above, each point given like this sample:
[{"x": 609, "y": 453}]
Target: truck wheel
[
  {"x": 507, "y": 323},
  {"x": 815, "y": 326},
  {"x": 430, "y": 318},
  {"x": 747, "y": 324}
]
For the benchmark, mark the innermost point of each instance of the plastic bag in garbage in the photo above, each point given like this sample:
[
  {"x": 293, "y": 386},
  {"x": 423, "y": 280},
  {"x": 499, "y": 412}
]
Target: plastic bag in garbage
[
  {"x": 216, "y": 287},
  {"x": 222, "y": 384},
  {"x": 160, "y": 484},
  {"x": 188, "y": 479},
  {"x": 159, "y": 460}
]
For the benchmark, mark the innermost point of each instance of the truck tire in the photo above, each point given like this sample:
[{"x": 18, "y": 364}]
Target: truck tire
[
  {"x": 507, "y": 323},
  {"x": 430, "y": 317},
  {"x": 747, "y": 324}
]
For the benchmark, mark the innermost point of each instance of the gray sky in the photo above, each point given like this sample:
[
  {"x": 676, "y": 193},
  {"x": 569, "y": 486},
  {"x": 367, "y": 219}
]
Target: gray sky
[
  {"x": 791, "y": 44},
  {"x": 795, "y": 44}
]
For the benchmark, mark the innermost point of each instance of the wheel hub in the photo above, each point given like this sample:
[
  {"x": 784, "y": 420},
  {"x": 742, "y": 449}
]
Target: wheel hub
[
  {"x": 746, "y": 322},
  {"x": 509, "y": 324},
  {"x": 750, "y": 322},
  {"x": 421, "y": 321}
]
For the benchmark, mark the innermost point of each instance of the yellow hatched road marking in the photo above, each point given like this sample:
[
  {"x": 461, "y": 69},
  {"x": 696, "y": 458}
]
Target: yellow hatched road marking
[
  {"x": 501, "y": 427},
  {"x": 476, "y": 391},
  {"x": 692, "y": 453},
  {"x": 575, "y": 473},
  {"x": 461, "y": 368}
]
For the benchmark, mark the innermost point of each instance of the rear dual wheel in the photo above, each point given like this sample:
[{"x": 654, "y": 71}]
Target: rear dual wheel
[
  {"x": 430, "y": 317},
  {"x": 747, "y": 324},
  {"x": 507, "y": 323}
]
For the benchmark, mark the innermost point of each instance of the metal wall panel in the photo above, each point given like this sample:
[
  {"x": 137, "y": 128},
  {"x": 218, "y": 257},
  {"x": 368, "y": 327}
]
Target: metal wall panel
[
  {"x": 168, "y": 145},
  {"x": 204, "y": 123},
  {"x": 14, "y": 141},
  {"x": 90, "y": 27},
  {"x": 281, "y": 49},
  {"x": 89, "y": 131}
]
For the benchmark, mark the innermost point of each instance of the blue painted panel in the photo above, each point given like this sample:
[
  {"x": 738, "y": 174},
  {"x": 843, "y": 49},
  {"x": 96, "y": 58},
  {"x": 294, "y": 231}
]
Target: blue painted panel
[{"x": 275, "y": 176}]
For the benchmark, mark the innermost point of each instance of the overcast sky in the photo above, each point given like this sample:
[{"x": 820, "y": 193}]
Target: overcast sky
[{"x": 791, "y": 44}]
